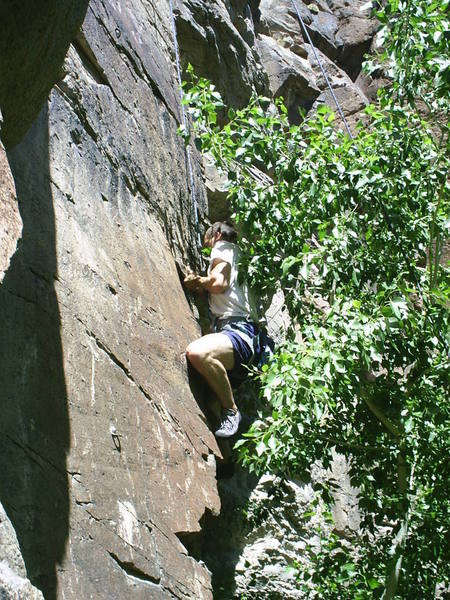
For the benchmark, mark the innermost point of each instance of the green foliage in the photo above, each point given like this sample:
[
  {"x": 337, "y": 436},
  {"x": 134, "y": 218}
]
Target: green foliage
[
  {"x": 352, "y": 231},
  {"x": 415, "y": 37},
  {"x": 335, "y": 572}
]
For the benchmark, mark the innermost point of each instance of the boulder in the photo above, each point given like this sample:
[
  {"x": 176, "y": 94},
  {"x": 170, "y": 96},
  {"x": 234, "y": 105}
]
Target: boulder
[
  {"x": 354, "y": 36},
  {"x": 216, "y": 188},
  {"x": 351, "y": 101},
  {"x": 279, "y": 21},
  {"x": 301, "y": 81},
  {"x": 264, "y": 531},
  {"x": 290, "y": 76},
  {"x": 340, "y": 30}
]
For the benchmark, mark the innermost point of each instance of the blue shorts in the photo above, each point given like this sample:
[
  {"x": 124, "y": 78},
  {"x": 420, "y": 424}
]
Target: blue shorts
[{"x": 243, "y": 352}]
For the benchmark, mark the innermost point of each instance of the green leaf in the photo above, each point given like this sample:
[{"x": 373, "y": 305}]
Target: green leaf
[
  {"x": 260, "y": 448},
  {"x": 373, "y": 583}
]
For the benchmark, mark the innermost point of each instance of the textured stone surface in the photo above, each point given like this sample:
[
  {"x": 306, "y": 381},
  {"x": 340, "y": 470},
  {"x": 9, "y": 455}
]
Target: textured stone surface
[
  {"x": 355, "y": 36},
  {"x": 217, "y": 39},
  {"x": 290, "y": 76},
  {"x": 262, "y": 45},
  {"x": 278, "y": 535},
  {"x": 34, "y": 40},
  {"x": 292, "y": 65},
  {"x": 263, "y": 531},
  {"x": 278, "y": 20},
  {"x": 14, "y": 584},
  {"x": 10, "y": 221},
  {"x": 351, "y": 101},
  {"x": 106, "y": 457},
  {"x": 216, "y": 188},
  {"x": 107, "y": 462},
  {"x": 341, "y": 30}
]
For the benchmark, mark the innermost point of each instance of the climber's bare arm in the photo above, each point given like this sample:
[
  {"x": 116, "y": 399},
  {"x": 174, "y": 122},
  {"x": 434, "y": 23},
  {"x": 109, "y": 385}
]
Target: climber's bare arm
[{"x": 216, "y": 282}]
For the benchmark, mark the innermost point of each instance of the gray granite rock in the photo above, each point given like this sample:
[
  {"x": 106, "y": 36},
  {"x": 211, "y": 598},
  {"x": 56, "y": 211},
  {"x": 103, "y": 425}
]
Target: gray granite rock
[
  {"x": 216, "y": 187},
  {"x": 217, "y": 38},
  {"x": 14, "y": 584},
  {"x": 340, "y": 39}
]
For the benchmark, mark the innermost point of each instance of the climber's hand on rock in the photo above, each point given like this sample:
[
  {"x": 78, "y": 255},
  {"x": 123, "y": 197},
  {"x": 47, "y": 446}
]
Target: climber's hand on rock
[{"x": 193, "y": 281}]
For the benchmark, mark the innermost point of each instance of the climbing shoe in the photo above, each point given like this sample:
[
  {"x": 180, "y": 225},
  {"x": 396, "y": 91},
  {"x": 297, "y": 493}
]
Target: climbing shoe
[{"x": 229, "y": 423}]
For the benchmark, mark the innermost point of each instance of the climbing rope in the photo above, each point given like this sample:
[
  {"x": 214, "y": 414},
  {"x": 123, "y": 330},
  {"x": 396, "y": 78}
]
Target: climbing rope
[
  {"x": 308, "y": 37},
  {"x": 185, "y": 123}
]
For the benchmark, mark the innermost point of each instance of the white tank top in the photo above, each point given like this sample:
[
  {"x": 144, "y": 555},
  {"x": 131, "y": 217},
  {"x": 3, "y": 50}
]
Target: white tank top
[{"x": 235, "y": 301}]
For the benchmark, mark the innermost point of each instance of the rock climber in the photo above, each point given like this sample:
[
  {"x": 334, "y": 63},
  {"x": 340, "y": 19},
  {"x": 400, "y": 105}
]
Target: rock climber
[{"x": 221, "y": 356}]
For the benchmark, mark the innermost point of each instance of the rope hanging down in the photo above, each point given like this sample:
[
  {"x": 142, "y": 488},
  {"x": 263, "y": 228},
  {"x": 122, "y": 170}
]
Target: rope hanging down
[
  {"x": 185, "y": 123},
  {"x": 308, "y": 37}
]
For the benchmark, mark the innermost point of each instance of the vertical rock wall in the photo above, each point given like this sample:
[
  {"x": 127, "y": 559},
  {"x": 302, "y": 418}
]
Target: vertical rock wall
[
  {"x": 104, "y": 452},
  {"x": 11, "y": 228},
  {"x": 106, "y": 458}
]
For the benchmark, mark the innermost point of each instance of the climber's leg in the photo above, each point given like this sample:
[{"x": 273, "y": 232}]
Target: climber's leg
[{"x": 212, "y": 356}]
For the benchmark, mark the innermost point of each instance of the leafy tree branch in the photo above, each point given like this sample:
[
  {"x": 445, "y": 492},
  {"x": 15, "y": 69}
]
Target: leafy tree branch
[{"x": 352, "y": 231}]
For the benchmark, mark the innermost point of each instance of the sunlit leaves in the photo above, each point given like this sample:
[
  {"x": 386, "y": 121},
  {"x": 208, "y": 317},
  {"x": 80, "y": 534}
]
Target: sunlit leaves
[
  {"x": 415, "y": 37},
  {"x": 353, "y": 232}
]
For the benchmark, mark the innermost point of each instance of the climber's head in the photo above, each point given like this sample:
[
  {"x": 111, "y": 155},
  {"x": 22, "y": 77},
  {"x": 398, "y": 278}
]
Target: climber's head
[{"x": 220, "y": 230}]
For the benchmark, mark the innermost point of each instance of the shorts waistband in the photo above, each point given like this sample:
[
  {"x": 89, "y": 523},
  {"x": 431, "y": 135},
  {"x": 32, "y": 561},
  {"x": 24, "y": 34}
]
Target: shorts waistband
[{"x": 229, "y": 320}]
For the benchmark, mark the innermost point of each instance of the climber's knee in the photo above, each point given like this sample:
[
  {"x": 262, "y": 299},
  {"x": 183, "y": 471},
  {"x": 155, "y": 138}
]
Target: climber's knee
[
  {"x": 195, "y": 354},
  {"x": 204, "y": 353}
]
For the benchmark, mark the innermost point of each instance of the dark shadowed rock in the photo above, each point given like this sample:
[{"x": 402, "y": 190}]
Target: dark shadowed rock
[
  {"x": 323, "y": 30},
  {"x": 34, "y": 40},
  {"x": 10, "y": 221},
  {"x": 219, "y": 50},
  {"x": 355, "y": 36},
  {"x": 106, "y": 457}
]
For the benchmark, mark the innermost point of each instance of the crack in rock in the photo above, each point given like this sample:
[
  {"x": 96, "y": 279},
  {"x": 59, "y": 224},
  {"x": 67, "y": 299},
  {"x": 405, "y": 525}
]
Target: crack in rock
[{"x": 134, "y": 572}]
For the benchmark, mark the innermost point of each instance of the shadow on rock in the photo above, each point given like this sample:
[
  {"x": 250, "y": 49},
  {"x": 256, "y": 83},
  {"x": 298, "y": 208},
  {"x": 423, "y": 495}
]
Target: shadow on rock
[
  {"x": 221, "y": 540},
  {"x": 34, "y": 421}
]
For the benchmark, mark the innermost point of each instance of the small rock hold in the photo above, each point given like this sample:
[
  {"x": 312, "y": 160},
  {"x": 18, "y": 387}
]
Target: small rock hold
[{"x": 313, "y": 8}]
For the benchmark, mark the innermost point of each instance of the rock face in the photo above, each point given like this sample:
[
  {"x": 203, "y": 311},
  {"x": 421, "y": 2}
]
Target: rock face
[
  {"x": 14, "y": 584},
  {"x": 274, "y": 56},
  {"x": 341, "y": 34},
  {"x": 107, "y": 460},
  {"x": 11, "y": 223},
  {"x": 277, "y": 534},
  {"x": 106, "y": 456},
  {"x": 35, "y": 37},
  {"x": 218, "y": 39}
]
